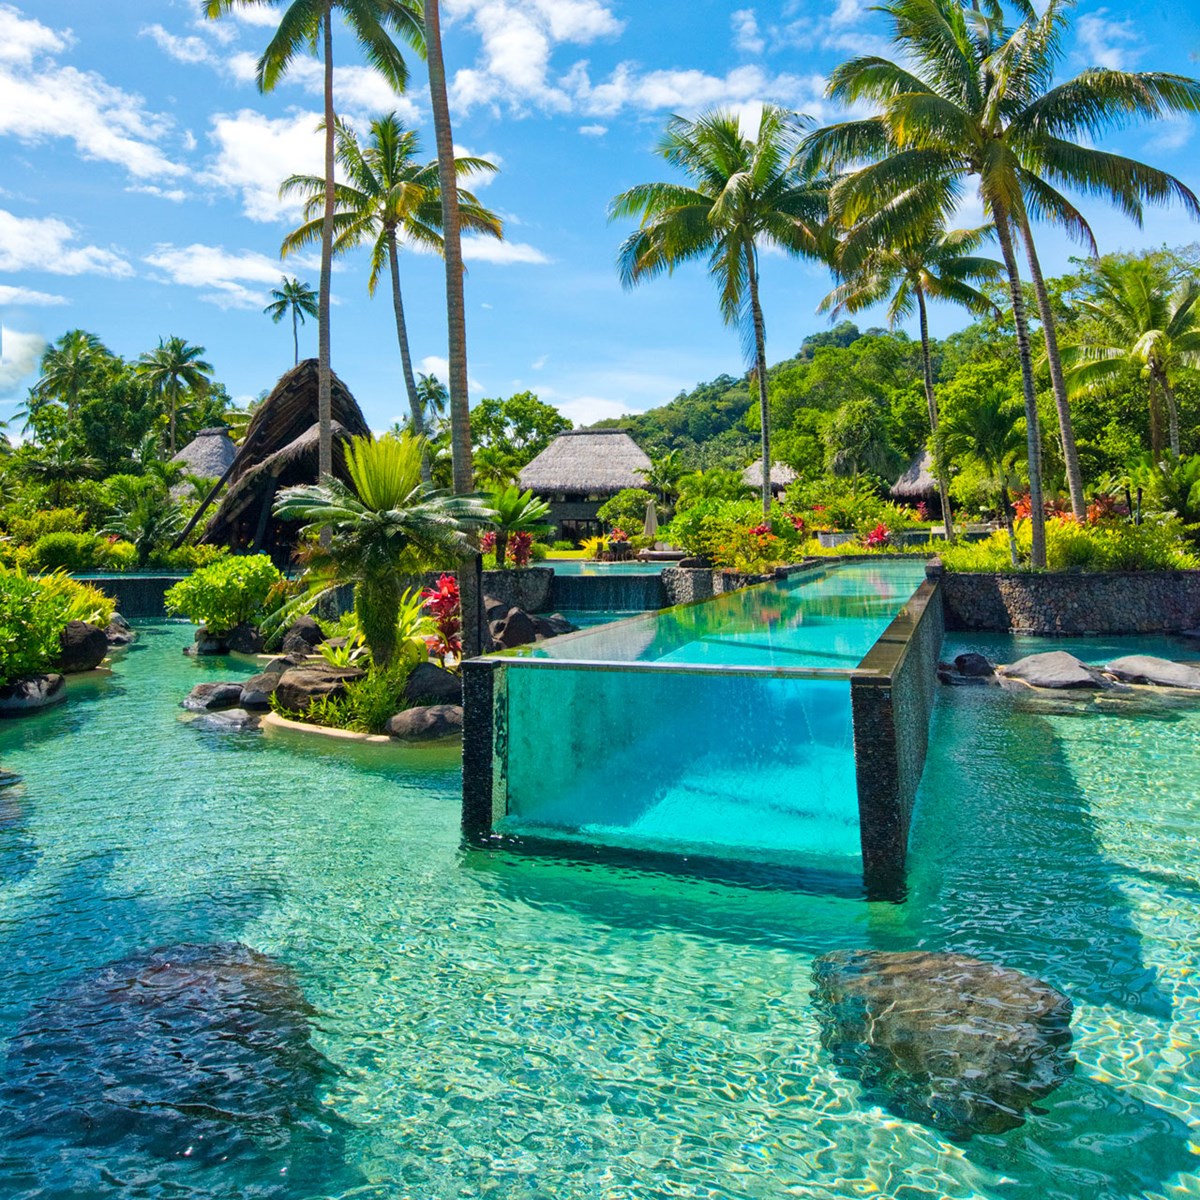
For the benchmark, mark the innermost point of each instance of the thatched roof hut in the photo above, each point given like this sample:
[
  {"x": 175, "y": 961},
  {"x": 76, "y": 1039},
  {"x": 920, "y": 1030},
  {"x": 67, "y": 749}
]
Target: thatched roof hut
[
  {"x": 281, "y": 448},
  {"x": 587, "y": 462},
  {"x": 209, "y": 454},
  {"x": 917, "y": 482},
  {"x": 781, "y": 476}
]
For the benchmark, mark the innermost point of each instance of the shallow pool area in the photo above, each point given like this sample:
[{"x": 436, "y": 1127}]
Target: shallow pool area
[{"x": 488, "y": 1024}]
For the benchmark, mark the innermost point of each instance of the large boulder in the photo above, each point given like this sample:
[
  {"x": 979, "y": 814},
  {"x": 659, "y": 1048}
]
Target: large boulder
[
  {"x": 258, "y": 689},
  {"x": 515, "y": 629},
  {"x": 298, "y": 687},
  {"x": 245, "y": 639},
  {"x": 211, "y": 697},
  {"x": 208, "y": 641},
  {"x": 430, "y": 684},
  {"x": 1145, "y": 668},
  {"x": 495, "y": 610},
  {"x": 1055, "y": 669},
  {"x": 963, "y": 1045},
  {"x": 973, "y": 665},
  {"x": 119, "y": 631},
  {"x": 31, "y": 693},
  {"x": 426, "y": 723},
  {"x": 81, "y": 647},
  {"x": 303, "y": 636}
]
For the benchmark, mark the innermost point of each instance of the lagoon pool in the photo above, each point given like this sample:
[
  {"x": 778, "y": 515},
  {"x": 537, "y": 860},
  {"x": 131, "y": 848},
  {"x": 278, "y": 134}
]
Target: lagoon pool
[
  {"x": 575, "y": 566},
  {"x": 490, "y": 1025}
]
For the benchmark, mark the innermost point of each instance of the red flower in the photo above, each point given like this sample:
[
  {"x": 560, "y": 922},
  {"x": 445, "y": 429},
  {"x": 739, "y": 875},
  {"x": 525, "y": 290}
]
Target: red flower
[
  {"x": 444, "y": 606},
  {"x": 487, "y": 541},
  {"x": 878, "y": 536},
  {"x": 520, "y": 547},
  {"x": 618, "y": 535}
]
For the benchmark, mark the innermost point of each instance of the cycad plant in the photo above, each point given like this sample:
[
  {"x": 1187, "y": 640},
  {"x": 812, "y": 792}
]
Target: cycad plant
[
  {"x": 389, "y": 197},
  {"x": 150, "y": 520},
  {"x": 976, "y": 100},
  {"x": 306, "y": 26},
  {"x": 929, "y": 263},
  {"x": 1141, "y": 318},
  {"x": 377, "y": 525},
  {"x": 516, "y": 512},
  {"x": 742, "y": 194}
]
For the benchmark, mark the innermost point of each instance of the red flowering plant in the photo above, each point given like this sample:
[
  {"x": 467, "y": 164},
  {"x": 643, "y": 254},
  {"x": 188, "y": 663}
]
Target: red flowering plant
[
  {"x": 922, "y": 511},
  {"x": 520, "y": 548},
  {"x": 443, "y": 605},
  {"x": 487, "y": 541},
  {"x": 878, "y": 537},
  {"x": 618, "y": 535},
  {"x": 1052, "y": 506},
  {"x": 798, "y": 523}
]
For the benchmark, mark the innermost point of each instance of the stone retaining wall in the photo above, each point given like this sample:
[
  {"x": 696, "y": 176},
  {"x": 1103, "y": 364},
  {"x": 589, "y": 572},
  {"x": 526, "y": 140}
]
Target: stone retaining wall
[
  {"x": 686, "y": 585},
  {"x": 1073, "y": 604}
]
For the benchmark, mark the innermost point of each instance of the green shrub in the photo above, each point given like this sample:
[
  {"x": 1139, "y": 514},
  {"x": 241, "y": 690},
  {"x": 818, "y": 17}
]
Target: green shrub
[
  {"x": 69, "y": 552},
  {"x": 366, "y": 707},
  {"x": 27, "y": 529},
  {"x": 119, "y": 556},
  {"x": 562, "y": 545},
  {"x": 188, "y": 558},
  {"x": 226, "y": 594},
  {"x": 626, "y": 510},
  {"x": 74, "y": 600}
]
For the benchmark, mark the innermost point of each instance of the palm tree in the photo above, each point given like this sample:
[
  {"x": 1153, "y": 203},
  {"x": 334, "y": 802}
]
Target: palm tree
[
  {"x": 494, "y": 468},
  {"x": 470, "y": 584},
  {"x": 931, "y": 263},
  {"x": 742, "y": 193},
  {"x": 56, "y": 466},
  {"x": 305, "y": 25},
  {"x": 431, "y": 391},
  {"x": 664, "y": 474},
  {"x": 150, "y": 521},
  {"x": 977, "y": 102},
  {"x": 516, "y": 511},
  {"x": 388, "y": 195},
  {"x": 174, "y": 364},
  {"x": 986, "y": 429},
  {"x": 376, "y": 524},
  {"x": 298, "y": 299},
  {"x": 67, "y": 367},
  {"x": 1141, "y": 318}
]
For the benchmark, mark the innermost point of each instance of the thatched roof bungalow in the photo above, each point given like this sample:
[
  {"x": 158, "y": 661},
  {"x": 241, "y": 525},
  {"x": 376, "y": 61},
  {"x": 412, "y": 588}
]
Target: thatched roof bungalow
[
  {"x": 579, "y": 471},
  {"x": 918, "y": 482},
  {"x": 781, "y": 476},
  {"x": 280, "y": 449},
  {"x": 209, "y": 454}
]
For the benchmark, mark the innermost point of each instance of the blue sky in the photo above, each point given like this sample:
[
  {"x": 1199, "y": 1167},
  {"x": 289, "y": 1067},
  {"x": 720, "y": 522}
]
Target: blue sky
[{"x": 139, "y": 165}]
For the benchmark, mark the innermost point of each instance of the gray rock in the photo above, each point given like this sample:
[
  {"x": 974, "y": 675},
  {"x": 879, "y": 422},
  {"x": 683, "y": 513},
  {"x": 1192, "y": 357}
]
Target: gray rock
[
  {"x": 516, "y": 629},
  {"x": 119, "y": 631},
  {"x": 208, "y": 641},
  {"x": 245, "y": 639},
  {"x": 495, "y": 610},
  {"x": 232, "y": 720},
  {"x": 426, "y": 723},
  {"x": 211, "y": 697},
  {"x": 81, "y": 647},
  {"x": 31, "y": 693},
  {"x": 1145, "y": 668},
  {"x": 1055, "y": 669},
  {"x": 553, "y": 625},
  {"x": 302, "y": 636},
  {"x": 255, "y": 699},
  {"x": 963, "y": 1045},
  {"x": 298, "y": 687},
  {"x": 430, "y": 684},
  {"x": 975, "y": 666}
]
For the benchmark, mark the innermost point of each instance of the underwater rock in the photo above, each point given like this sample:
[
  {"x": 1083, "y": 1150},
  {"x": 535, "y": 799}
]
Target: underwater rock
[
  {"x": 426, "y": 723},
  {"x": 81, "y": 647},
  {"x": 1055, "y": 669},
  {"x": 193, "y": 1054},
  {"x": 430, "y": 684},
  {"x": 210, "y": 697},
  {"x": 31, "y": 693},
  {"x": 954, "y": 1042},
  {"x": 231, "y": 720},
  {"x": 1145, "y": 668}
]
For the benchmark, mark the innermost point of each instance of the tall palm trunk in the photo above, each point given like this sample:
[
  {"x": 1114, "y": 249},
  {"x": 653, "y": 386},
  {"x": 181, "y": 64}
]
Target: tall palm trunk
[
  {"x": 1168, "y": 393},
  {"x": 760, "y": 371},
  {"x": 939, "y": 460},
  {"x": 296, "y": 335},
  {"x": 416, "y": 415},
  {"x": 1050, "y": 332},
  {"x": 174, "y": 394},
  {"x": 1006, "y": 509},
  {"x": 324, "y": 379},
  {"x": 1033, "y": 441},
  {"x": 469, "y": 582}
]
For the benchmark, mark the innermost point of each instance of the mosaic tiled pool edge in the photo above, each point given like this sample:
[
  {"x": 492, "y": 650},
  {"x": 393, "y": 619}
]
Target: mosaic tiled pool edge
[{"x": 888, "y": 703}]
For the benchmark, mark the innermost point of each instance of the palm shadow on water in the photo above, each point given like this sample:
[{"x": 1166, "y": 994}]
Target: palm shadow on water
[{"x": 142, "y": 1044}]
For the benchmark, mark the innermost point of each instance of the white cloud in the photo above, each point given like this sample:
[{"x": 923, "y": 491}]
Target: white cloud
[
  {"x": 1171, "y": 133},
  {"x": 226, "y": 274},
  {"x": 255, "y": 153},
  {"x": 41, "y": 100},
  {"x": 435, "y": 364},
  {"x": 1104, "y": 42},
  {"x": 586, "y": 410},
  {"x": 21, "y": 39},
  {"x": 261, "y": 15},
  {"x": 175, "y": 195},
  {"x": 540, "y": 362},
  {"x": 190, "y": 50},
  {"x": 17, "y": 297},
  {"x": 47, "y": 244},
  {"x": 746, "y": 35},
  {"x": 19, "y": 355},
  {"x": 593, "y": 130},
  {"x": 478, "y": 248}
]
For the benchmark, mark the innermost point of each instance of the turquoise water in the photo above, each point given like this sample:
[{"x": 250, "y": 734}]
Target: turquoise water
[
  {"x": 827, "y": 620},
  {"x": 576, "y": 566},
  {"x": 520, "y": 1028}
]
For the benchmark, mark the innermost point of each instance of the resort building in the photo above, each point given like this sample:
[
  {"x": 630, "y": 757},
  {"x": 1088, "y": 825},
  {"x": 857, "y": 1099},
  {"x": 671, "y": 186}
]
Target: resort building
[
  {"x": 781, "y": 476},
  {"x": 579, "y": 471}
]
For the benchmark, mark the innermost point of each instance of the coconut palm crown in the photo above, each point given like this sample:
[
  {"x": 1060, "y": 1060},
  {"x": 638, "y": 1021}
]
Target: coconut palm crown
[
  {"x": 741, "y": 193},
  {"x": 295, "y": 298}
]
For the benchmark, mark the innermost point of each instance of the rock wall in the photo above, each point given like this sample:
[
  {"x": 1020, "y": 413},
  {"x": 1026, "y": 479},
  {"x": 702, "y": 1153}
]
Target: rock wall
[
  {"x": 685, "y": 585},
  {"x": 1073, "y": 604}
]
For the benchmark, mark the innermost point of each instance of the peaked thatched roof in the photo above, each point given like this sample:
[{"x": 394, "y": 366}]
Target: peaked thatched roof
[
  {"x": 587, "y": 460},
  {"x": 917, "y": 482},
  {"x": 781, "y": 475},
  {"x": 280, "y": 448},
  {"x": 209, "y": 454}
]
